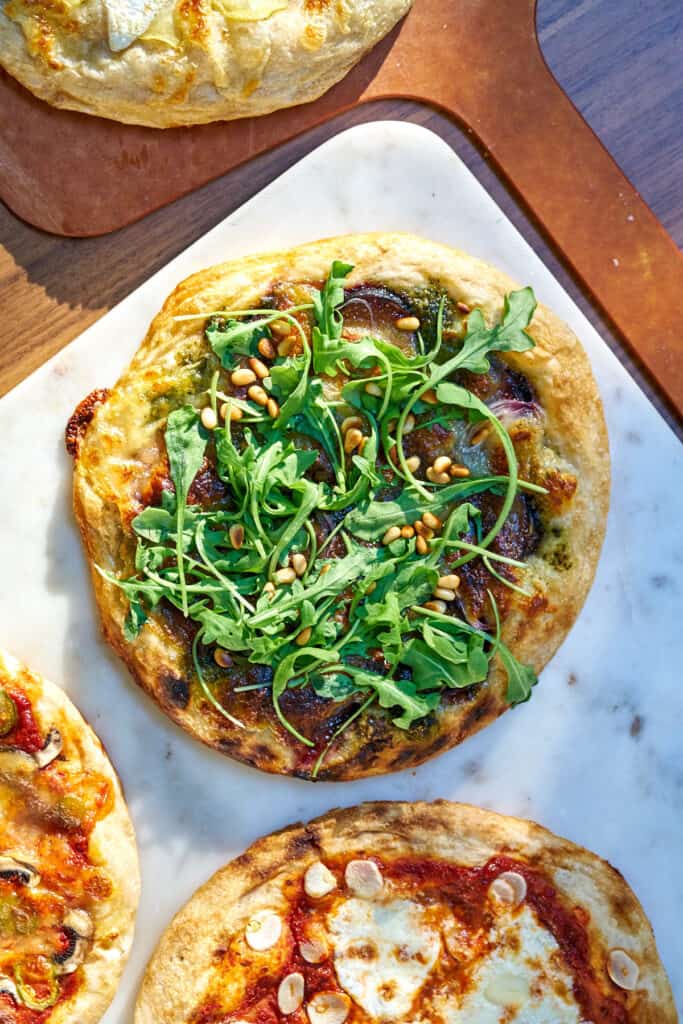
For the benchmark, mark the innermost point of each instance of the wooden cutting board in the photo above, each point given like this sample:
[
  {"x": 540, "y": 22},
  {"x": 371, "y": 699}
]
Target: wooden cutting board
[{"x": 479, "y": 62}]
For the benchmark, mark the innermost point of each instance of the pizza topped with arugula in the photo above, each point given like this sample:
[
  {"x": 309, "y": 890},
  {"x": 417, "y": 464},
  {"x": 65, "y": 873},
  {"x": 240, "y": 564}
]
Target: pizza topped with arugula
[
  {"x": 345, "y": 503},
  {"x": 419, "y": 913},
  {"x": 68, "y": 864}
]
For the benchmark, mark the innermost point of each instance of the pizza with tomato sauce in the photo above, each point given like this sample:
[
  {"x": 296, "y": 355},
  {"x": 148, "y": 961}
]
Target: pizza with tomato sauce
[
  {"x": 69, "y": 880},
  {"x": 345, "y": 503},
  {"x": 439, "y": 913}
]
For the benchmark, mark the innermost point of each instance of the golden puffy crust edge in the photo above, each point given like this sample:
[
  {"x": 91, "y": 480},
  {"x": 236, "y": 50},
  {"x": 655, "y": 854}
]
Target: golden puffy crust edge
[
  {"x": 220, "y": 71},
  {"x": 112, "y": 845},
  {"x": 559, "y": 370},
  {"x": 177, "y": 973}
]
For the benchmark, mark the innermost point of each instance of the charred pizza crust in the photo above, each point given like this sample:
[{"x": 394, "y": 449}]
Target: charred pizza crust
[
  {"x": 201, "y": 66},
  {"x": 269, "y": 873},
  {"x": 119, "y": 450},
  {"x": 111, "y": 847}
]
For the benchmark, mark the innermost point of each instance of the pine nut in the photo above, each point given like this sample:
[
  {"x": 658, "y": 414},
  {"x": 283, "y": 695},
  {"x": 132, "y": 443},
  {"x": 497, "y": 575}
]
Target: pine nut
[
  {"x": 325, "y": 568},
  {"x": 441, "y": 464},
  {"x": 462, "y": 307},
  {"x": 281, "y": 328},
  {"x": 286, "y": 575},
  {"x": 407, "y": 532},
  {"x": 422, "y": 530},
  {"x": 285, "y": 346},
  {"x": 351, "y": 421},
  {"x": 272, "y": 408},
  {"x": 259, "y": 368},
  {"x": 269, "y": 588},
  {"x": 392, "y": 534},
  {"x": 257, "y": 394},
  {"x": 304, "y": 636},
  {"x": 222, "y": 658},
  {"x": 409, "y": 423},
  {"x": 265, "y": 348},
  {"x": 430, "y": 397},
  {"x": 413, "y": 463},
  {"x": 459, "y": 471},
  {"x": 299, "y": 563},
  {"x": 436, "y": 606},
  {"x": 352, "y": 439},
  {"x": 241, "y": 377},
  {"x": 481, "y": 434},
  {"x": 451, "y": 582},
  {"x": 432, "y": 521},
  {"x": 374, "y": 389},
  {"x": 407, "y": 323},
  {"x": 443, "y": 594},
  {"x": 232, "y": 411},
  {"x": 209, "y": 418},
  {"x": 236, "y": 534},
  {"x": 421, "y": 546},
  {"x": 436, "y": 478}
]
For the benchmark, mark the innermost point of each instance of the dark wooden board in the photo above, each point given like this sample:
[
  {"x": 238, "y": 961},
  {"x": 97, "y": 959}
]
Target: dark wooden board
[{"x": 497, "y": 86}]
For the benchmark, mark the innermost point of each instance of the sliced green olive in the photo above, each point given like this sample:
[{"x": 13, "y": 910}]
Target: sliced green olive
[
  {"x": 8, "y": 713},
  {"x": 27, "y": 992}
]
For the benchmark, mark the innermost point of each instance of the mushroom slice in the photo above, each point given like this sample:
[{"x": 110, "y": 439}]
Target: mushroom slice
[
  {"x": 328, "y": 1008},
  {"x": 18, "y": 870},
  {"x": 8, "y": 987},
  {"x": 71, "y": 960},
  {"x": 510, "y": 888},
  {"x": 263, "y": 930},
  {"x": 80, "y": 922},
  {"x": 290, "y": 994},
  {"x": 319, "y": 880},
  {"x": 623, "y": 971},
  {"x": 51, "y": 749},
  {"x": 364, "y": 878}
]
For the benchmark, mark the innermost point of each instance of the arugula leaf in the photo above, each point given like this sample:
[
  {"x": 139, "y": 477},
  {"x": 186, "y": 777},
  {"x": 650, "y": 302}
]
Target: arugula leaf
[
  {"x": 288, "y": 670},
  {"x": 396, "y": 693},
  {"x": 521, "y": 678},
  {"x": 329, "y": 320},
  {"x": 373, "y": 520},
  {"x": 185, "y": 439},
  {"x": 236, "y": 337},
  {"x": 509, "y": 335},
  {"x": 333, "y": 685}
]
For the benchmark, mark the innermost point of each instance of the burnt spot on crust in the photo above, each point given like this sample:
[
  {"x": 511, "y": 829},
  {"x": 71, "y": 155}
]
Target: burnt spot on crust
[
  {"x": 177, "y": 690},
  {"x": 80, "y": 419},
  {"x": 298, "y": 846},
  {"x": 561, "y": 489}
]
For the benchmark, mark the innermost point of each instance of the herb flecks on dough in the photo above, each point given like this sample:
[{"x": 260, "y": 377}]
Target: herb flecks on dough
[{"x": 308, "y": 572}]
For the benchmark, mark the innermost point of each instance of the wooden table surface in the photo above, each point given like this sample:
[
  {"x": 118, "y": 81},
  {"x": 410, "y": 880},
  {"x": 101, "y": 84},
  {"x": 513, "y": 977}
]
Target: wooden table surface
[{"x": 619, "y": 62}]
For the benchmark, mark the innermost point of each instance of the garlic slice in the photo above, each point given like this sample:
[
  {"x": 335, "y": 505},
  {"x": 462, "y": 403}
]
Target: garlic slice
[
  {"x": 290, "y": 994},
  {"x": 328, "y": 1008},
  {"x": 263, "y": 930},
  {"x": 622, "y": 969},
  {"x": 510, "y": 888},
  {"x": 319, "y": 881},
  {"x": 364, "y": 878},
  {"x": 313, "y": 952}
]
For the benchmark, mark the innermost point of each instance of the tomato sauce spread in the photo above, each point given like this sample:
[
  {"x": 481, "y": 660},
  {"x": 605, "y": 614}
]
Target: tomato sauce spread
[
  {"x": 25, "y": 735},
  {"x": 54, "y": 820},
  {"x": 462, "y": 888}
]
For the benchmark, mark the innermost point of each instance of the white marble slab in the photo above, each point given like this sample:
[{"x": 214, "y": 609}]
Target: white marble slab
[{"x": 596, "y": 755}]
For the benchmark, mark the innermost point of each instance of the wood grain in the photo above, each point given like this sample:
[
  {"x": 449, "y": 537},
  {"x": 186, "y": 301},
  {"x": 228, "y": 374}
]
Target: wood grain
[{"x": 618, "y": 63}]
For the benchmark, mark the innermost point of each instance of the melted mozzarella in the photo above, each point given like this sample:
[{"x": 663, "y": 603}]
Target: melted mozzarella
[
  {"x": 521, "y": 980},
  {"x": 383, "y": 952},
  {"x": 127, "y": 20}
]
